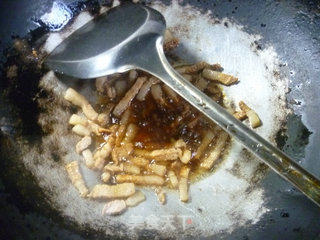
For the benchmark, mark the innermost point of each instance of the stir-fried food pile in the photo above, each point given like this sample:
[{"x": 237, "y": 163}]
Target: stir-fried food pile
[{"x": 141, "y": 133}]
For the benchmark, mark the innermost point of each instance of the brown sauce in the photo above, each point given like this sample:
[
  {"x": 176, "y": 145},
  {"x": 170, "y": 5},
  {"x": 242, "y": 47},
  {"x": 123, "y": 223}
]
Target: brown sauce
[{"x": 160, "y": 125}]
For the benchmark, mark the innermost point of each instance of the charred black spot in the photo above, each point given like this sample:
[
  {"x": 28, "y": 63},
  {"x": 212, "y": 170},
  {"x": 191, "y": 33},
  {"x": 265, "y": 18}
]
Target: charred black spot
[
  {"x": 281, "y": 138},
  {"x": 147, "y": 234},
  {"x": 289, "y": 90},
  {"x": 93, "y": 7},
  {"x": 56, "y": 156},
  {"x": 294, "y": 138},
  {"x": 271, "y": 220},
  {"x": 295, "y": 102},
  {"x": 56, "y": 153},
  {"x": 258, "y": 46},
  {"x": 284, "y": 214},
  {"x": 38, "y": 33},
  {"x": 235, "y": 170},
  {"x": 107, "y": 3},
  {"x": 259, "y": 173},
  {"x": 77, "y": 6},
  {"x": 21, "y": 92},
  {"x": 276, "y": 74},
  {"x": 296, "y": 229},
  {"x": 246, "y": 154},
  {"x": 304, "y": 135}
]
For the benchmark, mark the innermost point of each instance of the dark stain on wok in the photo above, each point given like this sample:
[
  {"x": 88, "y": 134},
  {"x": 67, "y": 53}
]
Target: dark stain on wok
[{"x": 21, "y": 110}]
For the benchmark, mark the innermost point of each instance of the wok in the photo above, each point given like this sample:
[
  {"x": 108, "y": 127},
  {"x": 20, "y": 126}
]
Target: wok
[{"x": 260, "y": 206}]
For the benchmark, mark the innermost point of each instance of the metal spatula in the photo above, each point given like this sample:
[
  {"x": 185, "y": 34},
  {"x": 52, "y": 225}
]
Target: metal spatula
[{"x": 131, "y": 37}]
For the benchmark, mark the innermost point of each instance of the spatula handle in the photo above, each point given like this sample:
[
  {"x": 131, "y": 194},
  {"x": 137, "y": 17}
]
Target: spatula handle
[{"x": 273, "y": 157}]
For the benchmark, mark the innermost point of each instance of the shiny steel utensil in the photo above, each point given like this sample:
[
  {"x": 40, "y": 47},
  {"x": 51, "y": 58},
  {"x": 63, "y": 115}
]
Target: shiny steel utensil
[{"x": 130, "y": 37}]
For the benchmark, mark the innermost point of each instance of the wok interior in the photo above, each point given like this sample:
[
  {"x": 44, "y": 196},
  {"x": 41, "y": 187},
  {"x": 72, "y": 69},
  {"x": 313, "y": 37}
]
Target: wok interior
[{"x": 45, "y": 157}]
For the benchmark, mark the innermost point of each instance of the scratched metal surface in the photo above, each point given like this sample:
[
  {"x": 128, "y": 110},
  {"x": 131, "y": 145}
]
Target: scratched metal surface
[{"x": 291, "y": 27}]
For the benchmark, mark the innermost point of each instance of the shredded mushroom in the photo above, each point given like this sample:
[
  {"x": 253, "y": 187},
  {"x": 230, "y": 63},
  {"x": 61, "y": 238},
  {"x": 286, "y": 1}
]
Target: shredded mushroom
[
  {"x": 105, "y": 177},
  {"x": 161, "y": 154},
  {"x": 83, "y": 144},
  {"x": 88, "y": 158},
  {"x": 207, "y": 138},
  {"x": 157, "y": 94},
  {"x": 78, "y": 120},
  {"x": 141, "y": 179},
  {"x": 135, "y": 199},
  {"x": 77, "y": 99},
  {"x": 194, "y": 68},
  {"x": 104, "y": 152},
  {"x": 81, "y": 130},
  {"x": 158, "y": 169},
  {"x": 219, "y": 76},
  {"x": 183, "y": 184},
  {"x": 172, "y": 94},
  {"x": 76, "y": 178},
  {"x": 112, "y": 191},
  {"x": 216, "y": 151},
  {"x": 252, "y": 115},
  {"x": 146, "y": 88},
  {"x": 126, "y": 100}
]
